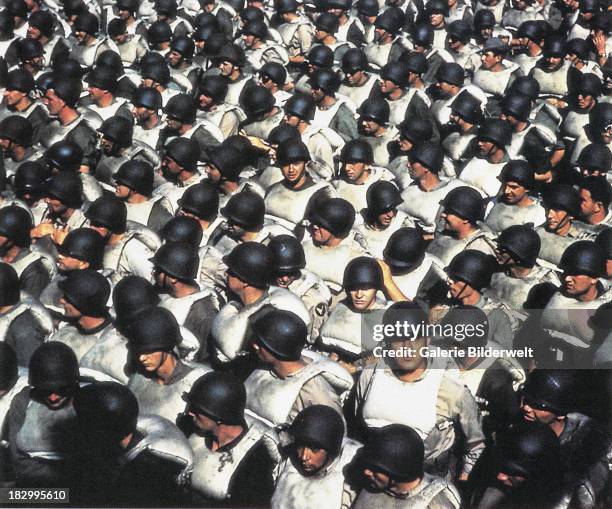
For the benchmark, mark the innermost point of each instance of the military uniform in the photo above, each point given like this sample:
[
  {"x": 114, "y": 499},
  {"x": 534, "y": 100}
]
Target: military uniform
[
  {"x": 79, "y": 339},
  {"x": 502, "y": 215}
]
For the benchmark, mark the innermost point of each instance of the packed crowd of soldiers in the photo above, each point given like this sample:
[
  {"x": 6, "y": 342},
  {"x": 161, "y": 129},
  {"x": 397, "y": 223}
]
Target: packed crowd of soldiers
[{"x": 208, "y": 206}]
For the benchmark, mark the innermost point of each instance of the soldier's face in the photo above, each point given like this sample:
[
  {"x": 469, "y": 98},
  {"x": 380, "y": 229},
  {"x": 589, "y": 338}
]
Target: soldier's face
[
  {"x": 452, "y": 43},
  {"x": 485, "y": 147},
  {"x": 585, "y": 101},
  {"x": 311, "y": 459},
  {"x": 55, "y": 400},
  {"x": 55, "y": 206},
  {"x": 452, "y": 222},
  {"x": 12, "y": 97},
  {"x": 513, "y": 193},
  {"x": 294, "y": 172},
  {"x": 317, "y": 94},
  {"x": 436, "y": 19},
  {"x": 226, "y": 68},
  {"x": 536, "y": 413},
  {"x": 511, "y": 481},
  {"x": 249, "y": 40},
  {"x": 106, "y": 146},
  {"x": 70, "y": 310},
  {"x": 458, "y": 289},
  {"x": 588, "y": 207},
  {"x": 124, "y": 14},
  {"x": 68, "y": 263},
  {"x": 489, "y": 60},
  {"x": 320, "y": 236},
  {"x": 354, "y": 171},
  {"x": 384, "y": 218},
  {"x": 54, "y": 103},
  {"x": 151, "y": 362},
  {"x": 202, "y": 422},
  {"x": 408, "y": 356},
  {"x": 379, "y": 34},
  {"x": 362, "y": 299},
  {"x": 445, "y": 88},
  {"x": 503, "y": 257},
  {"x": 173, "y": 58},
  {"x": 553, "y": 63},
  {"x": 378, "y": 481},
  {"x": 205, "y": 102},
  {"x": 387, "y": 87},
  {"x": 214, "y": 175},
  {"x": 578, "y": 284},
  {"x": 80, "y": 36},
  {"x": 33, "y": 33},
  {"x": 142, "y": 114},
  {"x": 122, "y": 191},
  {"x": 416, "y": 169},
  {"x": 354, "y": 76},
  {"x": 286, "y": 279},
  {"x": 320, "y": 34},
  {"x": 555, "y": 219},
  {"x": 291, "y": 120},
  {"x": 369, "y": 126}
]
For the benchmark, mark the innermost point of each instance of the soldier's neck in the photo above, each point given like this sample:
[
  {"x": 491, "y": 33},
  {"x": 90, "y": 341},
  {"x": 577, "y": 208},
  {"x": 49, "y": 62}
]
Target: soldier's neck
[
  {"x": 597, "y": 217},
  {"x": 403, "y": 489},
  {"x": 67, "y": 115},
  {"x": 137, "y": 198},
  {"x": 23, "y": 104},
  {"x": 283, "y": 369},
  {"x": 564, "y": 230},
  {"x": 429, "y": 181},
  {"x": 327, "y": 102},
  {"x": 90, "y": 322},
  {"x": 558, "y": 426},
  {"x": 519, "y": 272},
  {"x": 105, "y": 100},
  {"x": 464, "y": 231},
  {"x": 249, "y": 236},
  {"x": 524, "y": 202},
  {"x": 11, "y": 254},
  {"x": 250, "y": 295},
  {"x": 164, "y": 372},
  {"x": 152, "y": 121},
  {"x": 471, "y": 299},
  {"x": 183, "y": 290},
  {"x": 224, "y": 435},
  {"x": 497, "y": 156},
  {"x": 590, "y": 295},
  {"x": 115, "y": 238}
]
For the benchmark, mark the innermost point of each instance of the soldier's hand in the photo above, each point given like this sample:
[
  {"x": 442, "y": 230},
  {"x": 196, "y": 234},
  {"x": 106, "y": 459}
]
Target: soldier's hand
[
  {"x": 42, "y": 230},
  {"x": 599, "y": 41},
  {"x": 59, "y": 234},
  {"x": 386, "y": 270}
]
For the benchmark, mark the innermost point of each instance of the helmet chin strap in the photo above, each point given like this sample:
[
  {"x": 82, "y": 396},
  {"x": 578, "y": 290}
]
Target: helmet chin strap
[{"x": 562, "y": 223}]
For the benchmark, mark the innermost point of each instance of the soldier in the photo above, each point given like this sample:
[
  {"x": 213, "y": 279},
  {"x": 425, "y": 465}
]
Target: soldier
[
  {"x": 131, "y": 45},
  {"x": 514, "y": 204},
  {"x": 129, "y": 248},
  {"x": 594, "y": 160},
  {"x": 562, "y": 206},
  {"x": 16, "y": 143},
  {"x": 332, "y": 243},
  {"x": 249, "y": 273},
  {"x": 381, "y": 218},
  {"x": 446, "y": 408},
  {"x": 595, "y": 197},
  {"x": 552, "y": 71},
  {"x": 149, "y": 125},
  {"x": 495, "y": 74},
  {"x": 290, "y": 380},
  {"x": 358, "y": 173},
  {"x": 116, "y": 148},
  {"x": 85, "y": 294},
  {"x": 167, "y": 12},
  {"x": 462, "y": 214},
  {"x": 388, "y": 44},
  {"x": 315, "y": 462},
  {"x": 469, "y": 276},
  {"x": 33, "y": 269},
  {"x": 341, "y": 333},
  {"x": 63, "y": 196},
  {"x": 322, "y": 142},
  {"x": 549, "y": 397},
  {"x": 391, "y": 467},
  {"x": 260, "y": 49},
  {"x": 273, "y": 76},
  {"x": 358, "y": 83},
  {"x": 319, "y": 57},
  {"x": 19, "y": 87},
  {"x": 67, "y": 123},
  {"x": 326, "y": 26},
  {"x": 201, "y": 201},
  {"x": 460, "y": 47},
  {"x": 405, "y": 265},
  {"x": 211, "y": 94},
  {"x": 288, "y": 202},
  {"x": 231, "y": 60},
  {"x": 12, "y": 381},
  {"x": 597, "y": 130},
  {"x": 262, "y": 112},
  {"x": 25, "y": 323},
  {"x": 181, "y": 121},
  {"x": 182, "y": 71},
  {"x": 66, "y": 155},
  {"x": 603, "y": 240},
  {"x": 518, "y": 247},
  {"x": 290, "y": 274},
  {"x": 176, "y": 270},
  {"x": 216, "y": 404},
  {"x": 245, "y": 214},
  {"x": 566, "y": 314},
  {"x": 295, "y": 30},
  {"x": 102, "y": 85},
  {"x": 155, "y": 75},
  {"x": 179, "y": 168},
  {"x": 158, "y": 376},
  {"x": 529, "y": 42},
  {"x": 374, "y": 127},
  {"x": 28, "y": 186},
  {"x": 423, "y": 38},
  {"x": 39, "y": 414},
  {"x": 582, "y": 98},
  {"x": 134, "y": 185},
  {"x": 483, "y": 170},
  {"x": 466, "y": 115},
  {"x": 131, "y": 295},
  {"x": 88, "y": 43},
  {"x": 421, "y": 198},
  {"x": 450, "y": 78},
  {"x": 42, "y": 28},
  {"x": 125, "y": 457},
  {"x": 403, "y": 103},
  {"x": 350, "y": 28}
]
